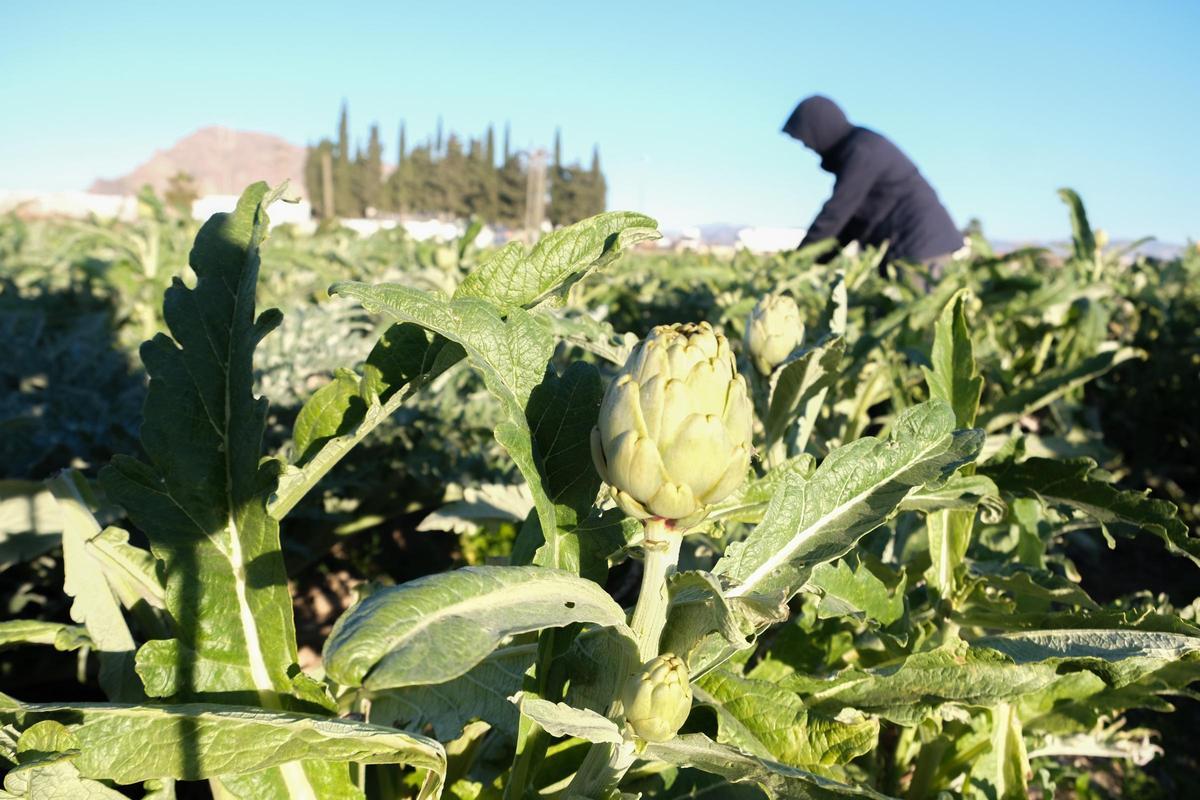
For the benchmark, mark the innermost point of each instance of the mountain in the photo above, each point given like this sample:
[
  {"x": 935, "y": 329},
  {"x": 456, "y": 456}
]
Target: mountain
[{"x": 222, "y": 161}]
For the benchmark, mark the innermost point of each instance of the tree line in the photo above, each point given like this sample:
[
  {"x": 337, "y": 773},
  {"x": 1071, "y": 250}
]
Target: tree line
[{"x": 449, "y": 176}]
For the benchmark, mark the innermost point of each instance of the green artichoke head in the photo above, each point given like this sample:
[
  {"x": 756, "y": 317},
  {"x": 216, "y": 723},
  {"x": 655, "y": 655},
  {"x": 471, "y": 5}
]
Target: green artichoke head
[
  {"x": 674, "y": 430},
  {"x": 773, "y": 330},
  {"x": 658, "y": 698}
]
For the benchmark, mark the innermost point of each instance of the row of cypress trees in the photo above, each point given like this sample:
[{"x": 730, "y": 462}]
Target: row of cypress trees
[{"x": 446, "y": 176}]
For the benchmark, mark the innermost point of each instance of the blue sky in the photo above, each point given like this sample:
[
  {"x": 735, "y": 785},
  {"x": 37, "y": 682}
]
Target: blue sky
[{"x": 998, "y": 103}]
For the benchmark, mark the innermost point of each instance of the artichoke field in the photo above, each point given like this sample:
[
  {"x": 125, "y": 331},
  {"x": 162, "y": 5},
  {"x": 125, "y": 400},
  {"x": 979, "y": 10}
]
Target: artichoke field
[{"x": 746, "y": 527}]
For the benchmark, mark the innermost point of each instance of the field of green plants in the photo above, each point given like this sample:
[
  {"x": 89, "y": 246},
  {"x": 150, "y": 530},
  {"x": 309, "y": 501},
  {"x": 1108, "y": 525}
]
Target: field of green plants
[{"x": 293, "y": 516}]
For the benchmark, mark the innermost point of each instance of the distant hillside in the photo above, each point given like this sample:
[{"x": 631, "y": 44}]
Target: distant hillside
[{"x": 222, "y": 161}]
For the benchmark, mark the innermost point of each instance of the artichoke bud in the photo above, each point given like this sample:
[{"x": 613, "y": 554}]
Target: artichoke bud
[
  {"x": 773, "y": 330},
  {"x": 445, "y": 257},
  {"x": 658, "y": 698},
  {"x": 673, "y": 436}
]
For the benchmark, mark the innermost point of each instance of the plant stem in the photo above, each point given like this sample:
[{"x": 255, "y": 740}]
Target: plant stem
[
  {"x": 605, "y": 764},
  {"x": 661, "y": 546}
]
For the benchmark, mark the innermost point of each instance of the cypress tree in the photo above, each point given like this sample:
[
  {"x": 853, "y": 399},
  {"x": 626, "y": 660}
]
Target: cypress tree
[
  {"x": 370, "y": 174},
  {"x": 343, "y": 169},
  {"x": 598, "y": 187}
]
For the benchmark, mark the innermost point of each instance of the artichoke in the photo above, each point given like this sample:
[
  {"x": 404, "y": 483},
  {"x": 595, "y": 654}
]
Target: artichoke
[
  {"x": 658, "y": 698},
  {"x": 674, "y": 430},
  {"x": 773, "y": 330}
]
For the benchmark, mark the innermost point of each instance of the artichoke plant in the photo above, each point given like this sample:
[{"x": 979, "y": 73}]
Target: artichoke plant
[
  {"x": 773, "y": 330},
  {"x": 658, "y": 698},
  {"x": 675, "y": 425}
]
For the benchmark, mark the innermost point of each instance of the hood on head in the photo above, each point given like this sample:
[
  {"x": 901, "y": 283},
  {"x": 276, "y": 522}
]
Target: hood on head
[{"x": 818, "y": 123}]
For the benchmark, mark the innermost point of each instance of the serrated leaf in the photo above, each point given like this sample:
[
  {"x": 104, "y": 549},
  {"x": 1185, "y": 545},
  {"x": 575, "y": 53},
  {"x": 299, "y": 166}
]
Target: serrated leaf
[
  {"x": 352, "y": 407},
  {"x": 927, "y": 683},
  {"x": 1029, "y": 583},
  {"x": 201, "y": 499},
  {"x": 856, "y": 488},
  {"x": 512, "y": 279},
  {"x": 436, "y": 628}
]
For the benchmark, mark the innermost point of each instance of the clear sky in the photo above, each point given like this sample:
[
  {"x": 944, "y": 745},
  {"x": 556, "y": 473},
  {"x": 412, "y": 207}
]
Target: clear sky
[{"x": 999, "y": 103}]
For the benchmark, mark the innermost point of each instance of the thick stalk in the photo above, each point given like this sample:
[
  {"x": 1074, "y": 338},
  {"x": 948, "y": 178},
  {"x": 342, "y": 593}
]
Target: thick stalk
[
  {"x": 661, "y": 548},
  {"x": 605, "y": 764}
]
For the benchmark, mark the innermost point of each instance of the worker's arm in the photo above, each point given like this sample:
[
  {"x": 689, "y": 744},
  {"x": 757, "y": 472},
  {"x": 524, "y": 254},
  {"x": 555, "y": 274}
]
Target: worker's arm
[{"x": 855, "y": 180}]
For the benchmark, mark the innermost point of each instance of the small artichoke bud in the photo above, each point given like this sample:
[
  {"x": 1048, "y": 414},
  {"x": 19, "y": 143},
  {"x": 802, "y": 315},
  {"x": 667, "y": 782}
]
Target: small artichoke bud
[
  {"x": 658, "y": 698},
  {"x": 773, "y": 330},
  {"x": 674, "y": 431}
]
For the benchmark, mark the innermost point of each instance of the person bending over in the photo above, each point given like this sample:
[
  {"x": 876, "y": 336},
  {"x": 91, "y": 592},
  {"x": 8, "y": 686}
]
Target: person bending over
[{"x": 879, "y": 196}]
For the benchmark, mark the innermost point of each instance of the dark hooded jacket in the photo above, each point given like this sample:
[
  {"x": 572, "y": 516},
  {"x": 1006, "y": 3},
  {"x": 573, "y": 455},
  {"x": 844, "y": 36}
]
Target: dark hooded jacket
[{"x": 879, "y": 195}]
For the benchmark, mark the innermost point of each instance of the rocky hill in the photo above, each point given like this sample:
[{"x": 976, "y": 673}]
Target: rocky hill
[{"x": 222, "y": 161}]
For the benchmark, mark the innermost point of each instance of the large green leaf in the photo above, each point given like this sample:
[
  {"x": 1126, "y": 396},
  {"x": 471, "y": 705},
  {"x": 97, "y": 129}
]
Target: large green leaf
[
  {"x": 128, "y": 744},
  {"x": 29, "y": 521},
  {"x": 780, "y": 782},
  {"x": 771, "y": 722},
  {"x": 798, "y": 388},
  {"x": 511, "y": 353},
  {"x": 436, "y": 628},
  {"x": 996, "y": 669},
  {"x": 201, "y": 499},
  {"x": 511, "y": 278},
  {"x": 562, "y": 412},
  {"x": 954, "y": 376},
  {"x": 481, "y": 692},
  {"x": 1073, "y": 483},
  {"x": 560, "y": 719},
  {"x": 955, "y": 379},
  {"x": 856, "y": 488},
  {"x": 33, "y": 631},
  {"x": 1082, "y": 238},
  {"x": 94, "y": 602},
  {"x": 926, "y": 684},
  {"x": 1051, "y": 385},
  {"x": 342, "y": 413},
  {"x": 855, "y": 592}
]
